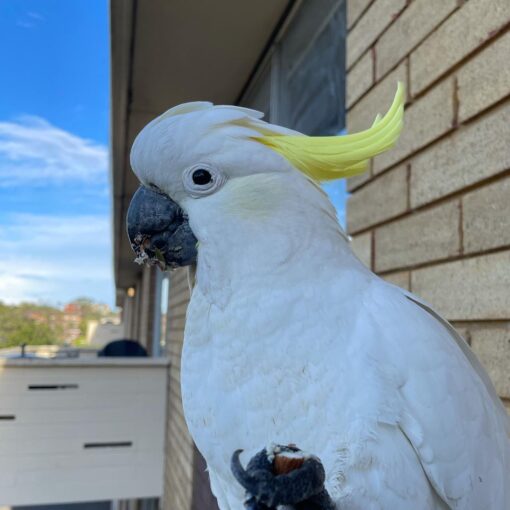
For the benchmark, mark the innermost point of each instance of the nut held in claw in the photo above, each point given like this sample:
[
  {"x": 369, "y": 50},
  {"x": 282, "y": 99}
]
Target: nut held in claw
[{"x": 286, "y": 462}]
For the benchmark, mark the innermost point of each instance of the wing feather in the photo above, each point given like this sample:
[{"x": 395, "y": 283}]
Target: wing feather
[{"x": 450, "y": 411}]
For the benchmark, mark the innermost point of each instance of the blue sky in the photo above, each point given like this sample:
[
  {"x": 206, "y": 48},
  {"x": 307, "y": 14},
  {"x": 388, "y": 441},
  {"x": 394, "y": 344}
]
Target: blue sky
[{"x": 55, "y": 240}]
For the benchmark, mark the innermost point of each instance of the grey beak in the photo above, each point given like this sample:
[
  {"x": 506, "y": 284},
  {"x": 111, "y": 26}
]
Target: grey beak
[{"x": 158, "y": 230}]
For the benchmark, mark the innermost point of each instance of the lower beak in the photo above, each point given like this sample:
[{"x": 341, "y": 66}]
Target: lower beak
[{"x": 159, "y": 231}]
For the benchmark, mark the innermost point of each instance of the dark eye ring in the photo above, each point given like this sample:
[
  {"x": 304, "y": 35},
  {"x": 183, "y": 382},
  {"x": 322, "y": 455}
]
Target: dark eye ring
[{"x": 201, "y": 177}]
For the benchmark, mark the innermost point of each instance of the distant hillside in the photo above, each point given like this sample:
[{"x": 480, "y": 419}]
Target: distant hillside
[{"x": 35, "y": 324}]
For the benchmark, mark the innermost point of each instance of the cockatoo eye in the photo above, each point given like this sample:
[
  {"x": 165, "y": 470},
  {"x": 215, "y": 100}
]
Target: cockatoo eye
[{"x": 202, "y": 179}]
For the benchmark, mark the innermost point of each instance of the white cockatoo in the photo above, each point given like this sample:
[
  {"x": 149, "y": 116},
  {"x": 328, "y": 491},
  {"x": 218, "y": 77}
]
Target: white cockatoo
[{"x": 290, "y": 339}]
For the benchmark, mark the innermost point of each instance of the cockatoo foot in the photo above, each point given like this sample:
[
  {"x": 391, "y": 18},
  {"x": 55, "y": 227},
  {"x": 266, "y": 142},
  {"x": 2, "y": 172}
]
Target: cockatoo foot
[{"x": 282, "y": 475}]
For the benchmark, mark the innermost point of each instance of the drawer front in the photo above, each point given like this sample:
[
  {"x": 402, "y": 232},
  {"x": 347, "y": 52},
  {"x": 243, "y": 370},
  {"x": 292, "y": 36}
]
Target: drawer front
[{"x": 81, "y": 434}]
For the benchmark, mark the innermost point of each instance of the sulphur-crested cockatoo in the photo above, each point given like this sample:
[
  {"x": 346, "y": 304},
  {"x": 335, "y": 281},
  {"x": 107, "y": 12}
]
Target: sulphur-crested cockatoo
[{"x": 290, "y": 340}]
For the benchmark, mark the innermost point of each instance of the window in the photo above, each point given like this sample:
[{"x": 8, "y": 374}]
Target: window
[{"x": 301, "y": 82}]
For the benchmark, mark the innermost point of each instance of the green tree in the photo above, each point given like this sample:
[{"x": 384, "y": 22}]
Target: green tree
[
  {"x": 28, "y": 323},
  {"x": 32, "y": 333},
  {"x": 40, "y": 324}
]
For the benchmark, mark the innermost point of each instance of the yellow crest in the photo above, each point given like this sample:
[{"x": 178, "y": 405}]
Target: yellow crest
[{"x": 324, "y": 158}]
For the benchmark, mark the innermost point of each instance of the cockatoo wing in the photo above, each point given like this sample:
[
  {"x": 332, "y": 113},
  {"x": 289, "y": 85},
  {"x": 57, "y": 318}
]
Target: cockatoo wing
[
  {"x": 450, "y": 412},
  {"x": 473, "y": 360}
]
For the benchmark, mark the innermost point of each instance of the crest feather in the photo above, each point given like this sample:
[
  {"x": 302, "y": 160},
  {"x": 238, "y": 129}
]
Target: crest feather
[{"x": 325, "y": 158}]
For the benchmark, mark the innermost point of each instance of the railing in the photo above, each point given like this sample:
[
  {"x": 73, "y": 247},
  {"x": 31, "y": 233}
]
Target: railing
[{"x": 81, "y": 430}]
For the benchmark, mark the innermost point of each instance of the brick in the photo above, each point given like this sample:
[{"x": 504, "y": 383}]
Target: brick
[
  {"x": 486, "y": 217},
  {"x": 354, "y": 10},
  {"x": 470, "y": 154},
  {"x": 379, "y": 15},
  {"x": 469, "y": 27},
  {"x": 361, "y": 116},
  {"x": 463, "y": 331},
  {"x": 412, "y": 26},
  {"x": 360, "y": 78},
  {"x": 425, "y": 120},
  {"x": 379, "y": 200},
  {"x": 485, "y": 79},
  {"x": 420, "y": 237},
  {"x": 469, "y": 289},
  {"x": 362, "y": 246},
  {"x": 400, "y": 279},
  {"x": 355, "y": 182},
  {"x": 492, "y": 346}
]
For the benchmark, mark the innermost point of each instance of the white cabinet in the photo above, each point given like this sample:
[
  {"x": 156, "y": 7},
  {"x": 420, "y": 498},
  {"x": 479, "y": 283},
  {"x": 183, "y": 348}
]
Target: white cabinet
[{"x": 81, "y": 430}]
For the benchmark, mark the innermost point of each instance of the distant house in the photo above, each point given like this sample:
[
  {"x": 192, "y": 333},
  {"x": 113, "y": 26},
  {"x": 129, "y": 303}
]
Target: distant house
[{"x": 431, "y": 216}]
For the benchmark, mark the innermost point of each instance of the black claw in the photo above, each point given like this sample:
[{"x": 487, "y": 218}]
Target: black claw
[
  {"x": 256, "y": 479},
  {"x": 303, "y": 488},
  {"x": 240, "y": 474}
]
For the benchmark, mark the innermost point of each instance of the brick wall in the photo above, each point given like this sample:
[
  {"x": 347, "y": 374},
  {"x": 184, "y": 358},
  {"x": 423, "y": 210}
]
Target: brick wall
[
  {"x": 433, "y": 214},
  {"x": 202, "y": 498},
  {"x": 179, "y": 445},
  {"x": 186, "y": 484}
]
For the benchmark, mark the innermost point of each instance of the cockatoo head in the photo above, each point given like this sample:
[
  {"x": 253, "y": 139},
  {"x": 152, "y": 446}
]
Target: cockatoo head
[{"x": 202, "y": 166}]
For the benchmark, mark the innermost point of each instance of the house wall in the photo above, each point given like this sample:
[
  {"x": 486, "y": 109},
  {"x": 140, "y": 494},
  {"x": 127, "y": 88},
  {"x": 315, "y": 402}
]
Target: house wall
[
  {"x": 138, "y": 311},
  {"x": 147, "y": 292},
  {"x": 180, "y": 481},
  {"x": 433, "y": 214}
]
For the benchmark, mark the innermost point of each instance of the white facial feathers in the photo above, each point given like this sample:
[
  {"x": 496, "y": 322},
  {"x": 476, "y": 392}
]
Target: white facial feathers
[{"x": 194, "y": 133}]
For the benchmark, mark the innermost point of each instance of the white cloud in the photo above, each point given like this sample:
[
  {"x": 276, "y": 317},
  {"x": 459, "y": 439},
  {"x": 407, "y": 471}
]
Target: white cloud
[
  {"x": 30, "y": 20},
  {"x": 35, "y": 15},
  {"x": 54, "y": 259},
  {"x": 32, "y": 150}
]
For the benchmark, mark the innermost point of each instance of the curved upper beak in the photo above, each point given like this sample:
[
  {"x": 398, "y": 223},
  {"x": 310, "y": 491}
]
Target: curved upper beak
[{"x": 159, "y": 231}]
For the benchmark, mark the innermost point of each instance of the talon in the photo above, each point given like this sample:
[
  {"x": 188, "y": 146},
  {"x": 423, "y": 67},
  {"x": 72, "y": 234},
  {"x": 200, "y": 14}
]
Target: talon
[
  {"x": 282, "y": 475},
  {"x": 257, "y": 479},
  {"x": 238, "y": 471}
]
